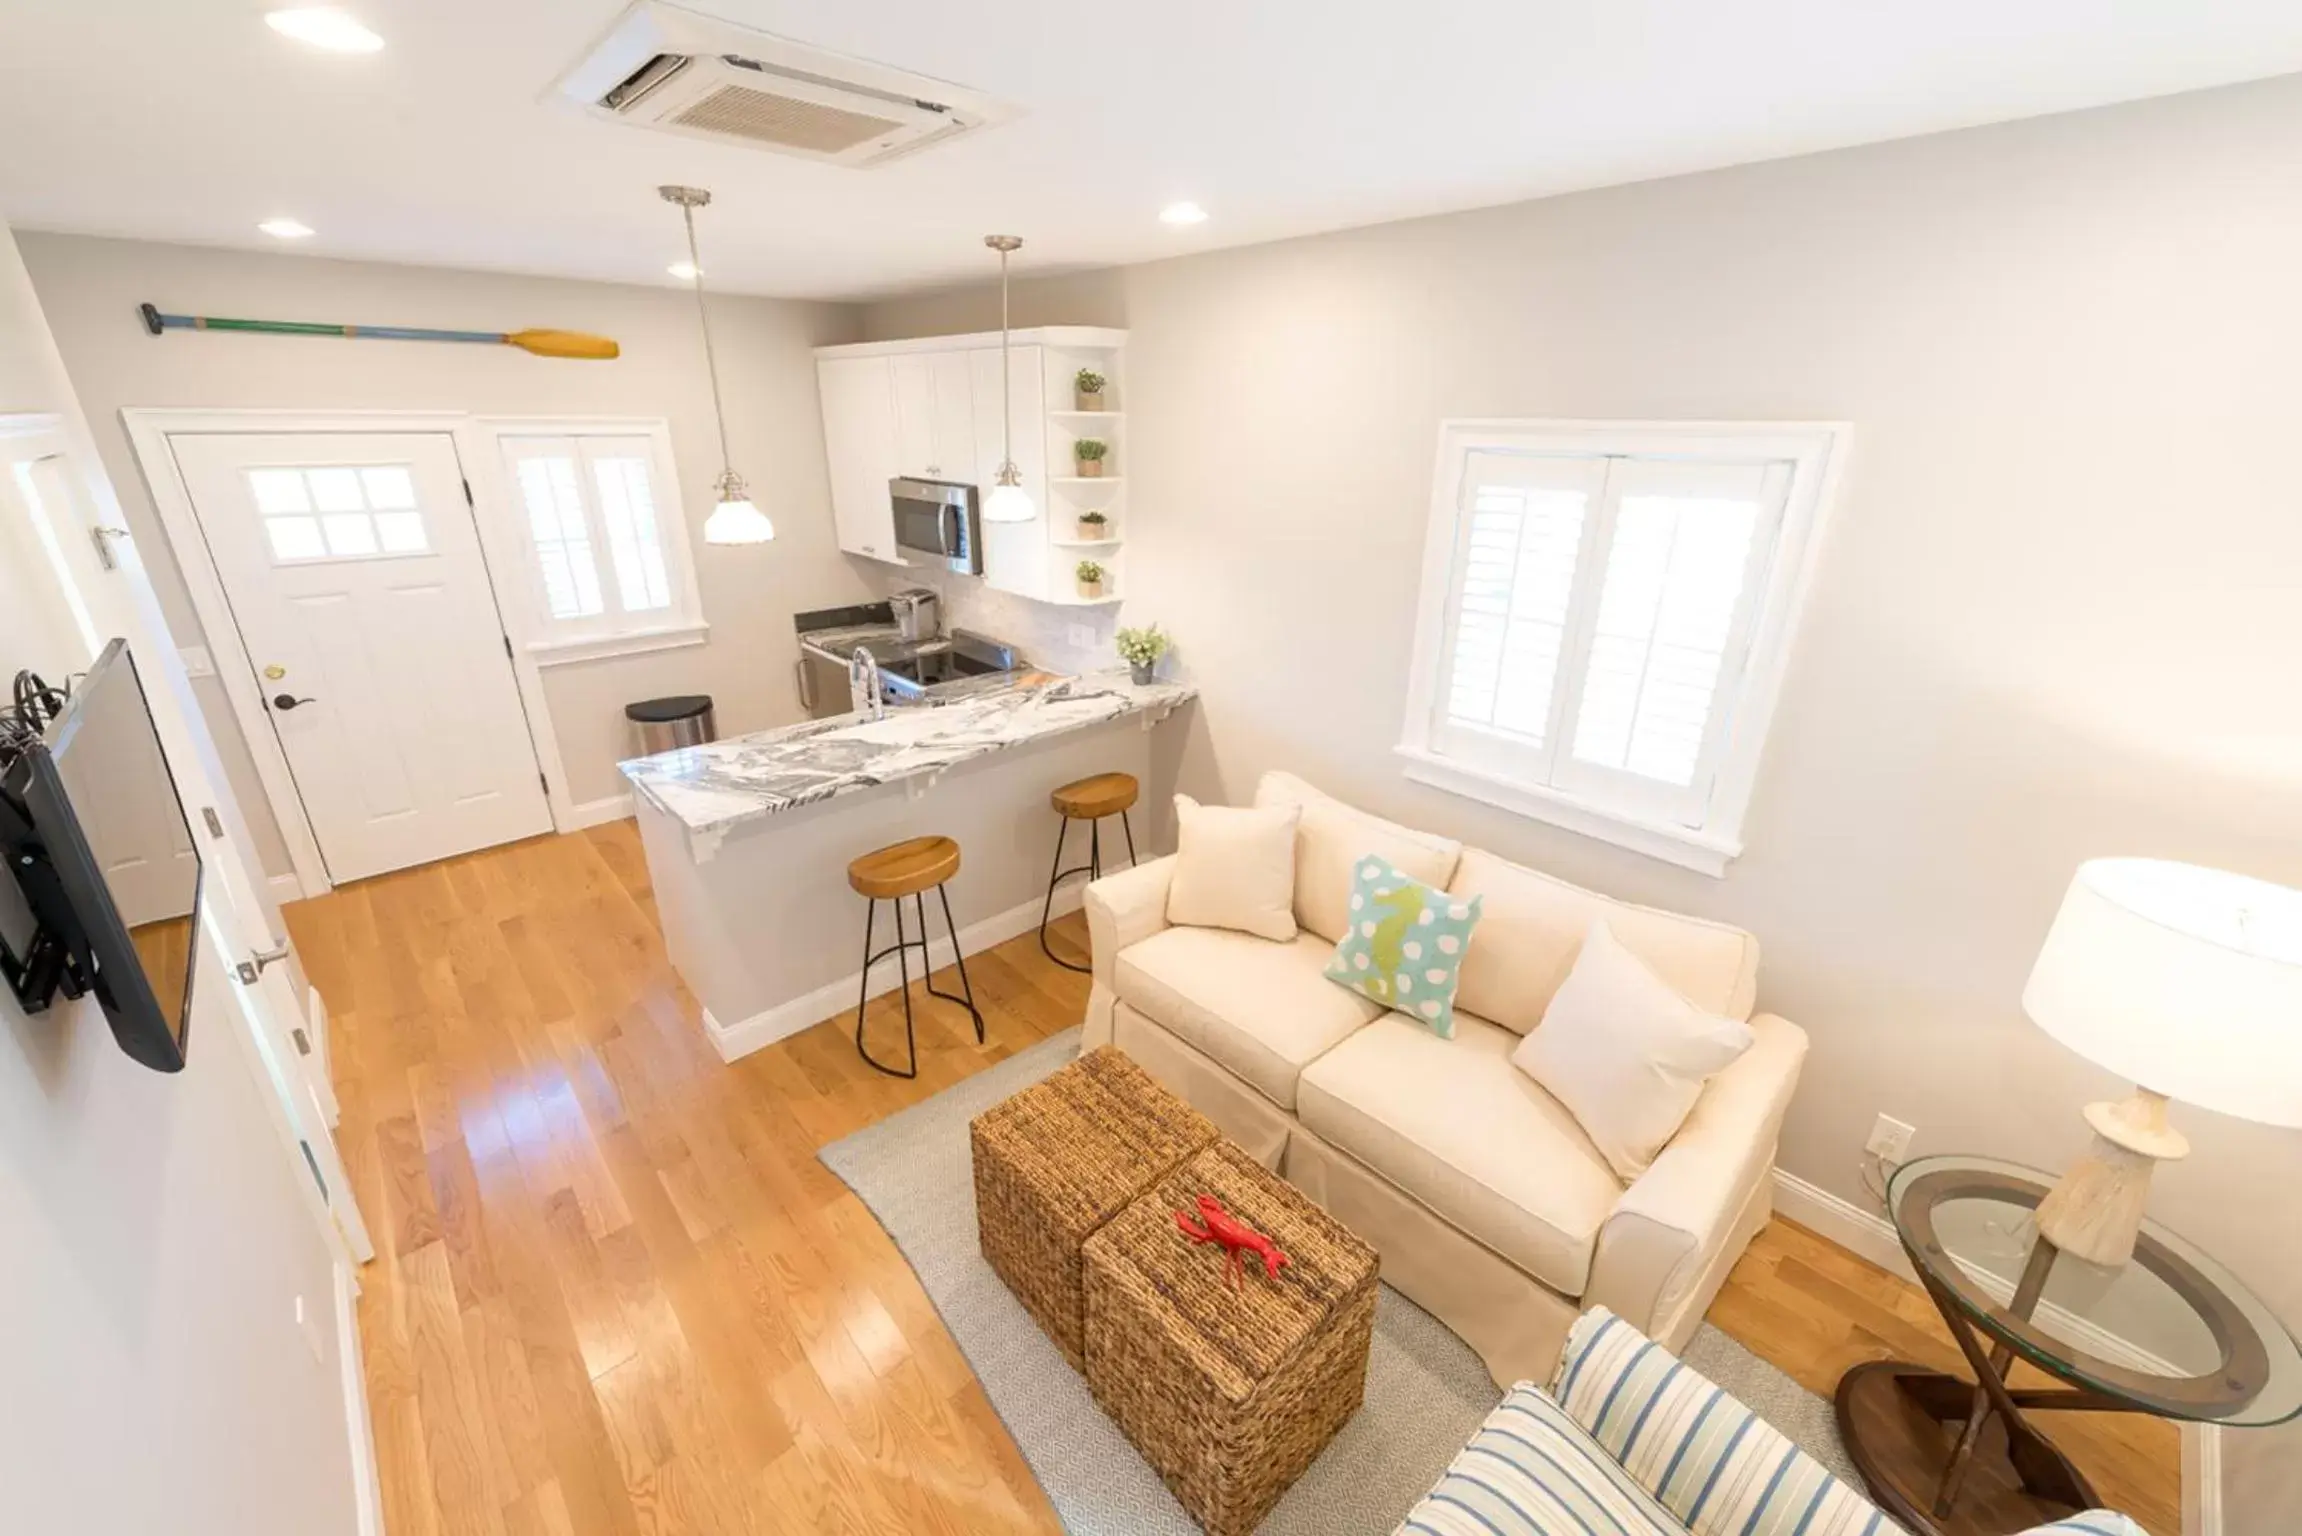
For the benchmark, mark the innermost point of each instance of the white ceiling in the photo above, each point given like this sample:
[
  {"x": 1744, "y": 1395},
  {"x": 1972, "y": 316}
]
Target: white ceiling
[{"x": 190, "y": 120}]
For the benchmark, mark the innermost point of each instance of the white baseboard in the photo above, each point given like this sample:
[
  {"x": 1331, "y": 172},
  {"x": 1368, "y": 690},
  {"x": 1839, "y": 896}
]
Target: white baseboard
[
  {"x": 592, "y": 812},
  {"x": 1871, "y": 1236},
  {"x": 746, "y": 1035},
  {"x": 286, "y": 888}
]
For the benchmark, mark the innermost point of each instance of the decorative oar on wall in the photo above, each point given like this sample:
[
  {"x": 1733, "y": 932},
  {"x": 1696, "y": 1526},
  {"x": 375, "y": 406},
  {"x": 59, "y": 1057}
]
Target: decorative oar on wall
[{"x": 542, "y": 343}]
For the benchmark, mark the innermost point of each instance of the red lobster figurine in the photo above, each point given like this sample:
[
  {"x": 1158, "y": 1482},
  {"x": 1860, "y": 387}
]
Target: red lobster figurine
[{"x": 1217, "y": 1225}]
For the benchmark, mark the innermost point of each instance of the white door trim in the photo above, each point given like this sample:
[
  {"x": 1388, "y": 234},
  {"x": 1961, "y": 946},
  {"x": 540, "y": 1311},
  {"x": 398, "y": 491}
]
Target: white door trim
[{"x": 150, "y": 427}]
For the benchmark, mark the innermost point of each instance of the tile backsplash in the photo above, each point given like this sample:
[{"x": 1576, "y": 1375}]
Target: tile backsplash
[{"x": 1041, "y": 631}]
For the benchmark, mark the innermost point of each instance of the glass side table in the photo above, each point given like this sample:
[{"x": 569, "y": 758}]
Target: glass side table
[{"x": 1949, "y": 1457}]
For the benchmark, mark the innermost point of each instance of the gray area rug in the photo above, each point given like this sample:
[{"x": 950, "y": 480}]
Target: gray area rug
[{"x": 1426, "y": 1391}]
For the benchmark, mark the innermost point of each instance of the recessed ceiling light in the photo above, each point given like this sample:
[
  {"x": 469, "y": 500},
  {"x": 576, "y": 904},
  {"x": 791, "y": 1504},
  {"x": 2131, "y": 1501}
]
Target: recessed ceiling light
[
  {"x": 286, "y": 229},
  {"x": 323, "y": 26},
  {"x": 1182, "y": 213},
  {"x": 685, "y": 271}
]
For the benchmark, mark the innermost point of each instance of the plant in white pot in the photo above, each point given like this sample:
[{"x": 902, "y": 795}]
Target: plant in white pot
[
  {"x": 1089, "y": 384},
  {"x": 1090, "y": 452},
  {"x": 1142, "y": 648},
  {"x": 1090, "y": 577},
  {"x": 1094, "y": 527}
]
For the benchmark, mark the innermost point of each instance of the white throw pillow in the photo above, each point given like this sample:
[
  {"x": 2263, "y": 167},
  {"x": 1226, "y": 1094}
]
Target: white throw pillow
[
  {"x": 1234, "y": 869},
  {"x": 1625, "y": 1053}
]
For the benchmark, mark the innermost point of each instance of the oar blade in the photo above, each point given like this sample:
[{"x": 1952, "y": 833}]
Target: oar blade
[{"x": 564, "y": 344}]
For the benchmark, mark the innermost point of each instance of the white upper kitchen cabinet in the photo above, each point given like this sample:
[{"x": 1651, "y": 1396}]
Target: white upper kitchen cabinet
[
  {"x": 859, "y": 442},
  {"x": 934, "y": 415},
  {"x": 931, "y": 407}
]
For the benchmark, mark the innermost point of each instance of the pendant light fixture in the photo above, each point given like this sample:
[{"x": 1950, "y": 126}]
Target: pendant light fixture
[
  {"x": 1008, "y": 502},
  {"x": 735, "y": 520}
]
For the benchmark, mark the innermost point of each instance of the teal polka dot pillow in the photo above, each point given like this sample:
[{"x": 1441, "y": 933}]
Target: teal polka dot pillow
[{"x": 1406, "y": 944}]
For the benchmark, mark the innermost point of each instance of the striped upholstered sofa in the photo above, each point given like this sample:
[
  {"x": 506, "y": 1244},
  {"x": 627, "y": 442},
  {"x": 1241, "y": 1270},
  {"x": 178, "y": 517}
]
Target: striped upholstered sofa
[{"x": 1629, "y": 1441}]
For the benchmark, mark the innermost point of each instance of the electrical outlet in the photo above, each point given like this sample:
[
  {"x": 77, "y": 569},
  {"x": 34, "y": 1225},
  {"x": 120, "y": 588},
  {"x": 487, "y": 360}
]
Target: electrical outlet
[
  {"x": 1079, "y": 635},
  {"x": 1890, "y": 1140}
]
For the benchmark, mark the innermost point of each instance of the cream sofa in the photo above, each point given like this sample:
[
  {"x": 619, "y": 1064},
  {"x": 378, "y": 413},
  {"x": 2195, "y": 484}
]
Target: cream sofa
[{"x": 1491, "y": 1208}]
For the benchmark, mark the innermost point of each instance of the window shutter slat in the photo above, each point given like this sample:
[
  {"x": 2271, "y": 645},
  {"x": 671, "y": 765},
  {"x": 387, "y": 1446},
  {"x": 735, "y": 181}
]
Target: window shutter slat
[
  {"x": 554, "y": 504},
  {"x": 1677, "y": 569},
  {"x": 635, "y": 548},
  {"x": 1518, "y": 575}
]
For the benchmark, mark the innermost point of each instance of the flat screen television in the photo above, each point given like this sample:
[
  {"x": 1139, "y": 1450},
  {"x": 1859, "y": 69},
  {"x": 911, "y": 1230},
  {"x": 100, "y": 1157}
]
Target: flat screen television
[{"x": 108, "y": 869}]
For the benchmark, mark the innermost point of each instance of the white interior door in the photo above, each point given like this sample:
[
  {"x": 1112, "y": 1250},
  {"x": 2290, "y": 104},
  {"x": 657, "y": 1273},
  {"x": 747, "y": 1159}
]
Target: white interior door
[
  {"x": 48, "y": 515},
  {"x": 354, "y": 573}
]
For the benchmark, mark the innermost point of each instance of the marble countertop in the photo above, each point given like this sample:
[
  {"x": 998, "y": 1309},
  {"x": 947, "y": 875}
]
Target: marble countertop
[{"x": 715, "y": 788}]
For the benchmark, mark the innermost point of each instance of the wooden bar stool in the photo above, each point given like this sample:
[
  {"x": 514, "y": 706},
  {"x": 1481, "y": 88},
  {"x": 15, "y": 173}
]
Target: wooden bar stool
[
  {"x": 890, "y": 874},
  {"x": 1088, "y": 800}
]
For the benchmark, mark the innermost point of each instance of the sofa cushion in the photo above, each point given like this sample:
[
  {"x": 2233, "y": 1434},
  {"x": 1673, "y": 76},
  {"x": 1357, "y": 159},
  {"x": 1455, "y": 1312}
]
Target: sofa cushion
[
  {"x": 1529, "y": 1470},
  {"x": 1261, "y": 1009},
  {"x": 1234, "y": 868},
  {"x": 1626, "y": 1051},
  {"x": 1455, "y": 1125},
  {"x": 1408, "y": 945},
  {"x": 1717, "y": 1467},
  {"x": 1332, "y": 836},
  {"x": 1533, "y": 928}
]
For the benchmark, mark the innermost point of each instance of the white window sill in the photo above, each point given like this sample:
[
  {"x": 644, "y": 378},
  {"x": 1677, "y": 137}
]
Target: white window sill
[
  {"x": 1703, "y": 852},
  {"x": 630, "y": 642}
]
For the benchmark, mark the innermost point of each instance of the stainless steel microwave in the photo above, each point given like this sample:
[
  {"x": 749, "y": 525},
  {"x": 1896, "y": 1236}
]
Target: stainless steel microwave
[{"x": 936, "y": 521}]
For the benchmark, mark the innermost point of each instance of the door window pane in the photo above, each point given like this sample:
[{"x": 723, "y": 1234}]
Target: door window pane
[
  {"x": 336, "y": 490},
  {"x": 388, "y": 486},
  {"x": 294, "y": 538}
]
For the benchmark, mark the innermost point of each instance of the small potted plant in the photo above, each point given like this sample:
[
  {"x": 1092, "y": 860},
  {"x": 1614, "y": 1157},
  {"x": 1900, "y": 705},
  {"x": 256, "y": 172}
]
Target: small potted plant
[
  {"x": 1090, "y": 384},
  {"x": 1094, "y": 527},
  {"x": 1142, "y": 648},
  {"x": 1090, "y": 578},
  {"x": 1090, "y": 452}
]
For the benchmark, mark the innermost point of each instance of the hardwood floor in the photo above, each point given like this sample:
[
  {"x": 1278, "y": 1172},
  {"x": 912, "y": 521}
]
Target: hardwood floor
[{"x": 616, "y": 1293}]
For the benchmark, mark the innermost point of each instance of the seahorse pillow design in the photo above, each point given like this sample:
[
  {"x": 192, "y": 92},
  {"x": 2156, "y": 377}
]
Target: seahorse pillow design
[{"x": 1406, "y": 944}]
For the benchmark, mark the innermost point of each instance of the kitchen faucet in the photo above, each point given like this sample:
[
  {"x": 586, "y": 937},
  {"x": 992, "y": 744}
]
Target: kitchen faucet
[{"x": 863, "y": 685}]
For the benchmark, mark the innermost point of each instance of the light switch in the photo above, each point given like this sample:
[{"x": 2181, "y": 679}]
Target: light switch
[
  {"x": 197, "y": 661},
  {"x": 1080, "y": 636}
]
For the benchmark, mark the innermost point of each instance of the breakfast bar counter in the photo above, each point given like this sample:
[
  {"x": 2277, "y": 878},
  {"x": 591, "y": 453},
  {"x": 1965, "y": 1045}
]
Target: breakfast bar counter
[{"x": 748, "y": 839}]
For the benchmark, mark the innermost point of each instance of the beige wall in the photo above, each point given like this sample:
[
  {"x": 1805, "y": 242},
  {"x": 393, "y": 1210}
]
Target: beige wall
[
  {"x": 2057, "y": 616},
  {"x": 155, "y": 1235},
  {"x": 91, "y": 287}
]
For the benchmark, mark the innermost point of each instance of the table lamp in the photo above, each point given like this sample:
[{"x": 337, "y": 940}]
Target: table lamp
[{"x": 2187, "y": 982}]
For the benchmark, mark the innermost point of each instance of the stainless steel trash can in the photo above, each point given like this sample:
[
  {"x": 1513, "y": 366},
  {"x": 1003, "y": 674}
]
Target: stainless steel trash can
[{"x": 661, "y": 725}]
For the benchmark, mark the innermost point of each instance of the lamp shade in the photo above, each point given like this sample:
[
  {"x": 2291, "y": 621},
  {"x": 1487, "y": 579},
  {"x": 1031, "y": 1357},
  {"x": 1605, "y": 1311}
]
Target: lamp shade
[
  {"x": 1008, "y": 504},
  {"x": 737, "y": 521},
  {"x": 2182, "y": 980}
]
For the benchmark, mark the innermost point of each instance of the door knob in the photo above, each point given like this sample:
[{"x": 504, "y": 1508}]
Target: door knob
[
  {"x": 289, "y": 701},
  {"x": 253, "y": 967}
]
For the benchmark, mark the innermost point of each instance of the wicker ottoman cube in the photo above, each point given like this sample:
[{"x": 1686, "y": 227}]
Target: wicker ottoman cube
[
  {"x": 1060, "y": 1159},
  {"x": 1230, "y": 1395}
]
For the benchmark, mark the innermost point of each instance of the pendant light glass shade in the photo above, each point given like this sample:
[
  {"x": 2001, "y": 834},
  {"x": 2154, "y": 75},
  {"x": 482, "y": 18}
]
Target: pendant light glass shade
[
  {"x": 1008, "y": 502},
  {"x": 734, "y": 520}
]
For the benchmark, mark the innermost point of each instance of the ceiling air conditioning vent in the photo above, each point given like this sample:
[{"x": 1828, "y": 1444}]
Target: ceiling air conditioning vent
[{"x": 664, "y": 67}]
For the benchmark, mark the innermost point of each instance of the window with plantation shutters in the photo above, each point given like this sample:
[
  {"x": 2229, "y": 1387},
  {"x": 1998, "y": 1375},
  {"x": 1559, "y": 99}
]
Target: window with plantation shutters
[
  {"x": 1606, "y": 612},
  {"x": 605, "y": 543}
]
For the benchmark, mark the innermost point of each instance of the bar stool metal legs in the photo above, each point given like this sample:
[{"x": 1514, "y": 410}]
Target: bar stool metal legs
[
  {"x": 890, "y": 874},
  {"x": 1088, "y": 800}
]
